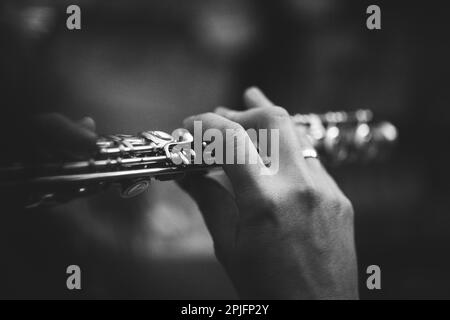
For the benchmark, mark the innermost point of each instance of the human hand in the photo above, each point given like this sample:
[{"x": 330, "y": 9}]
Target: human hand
[
  {"x": 283, "y": 236},
  {"x": 57, "y": 136}
]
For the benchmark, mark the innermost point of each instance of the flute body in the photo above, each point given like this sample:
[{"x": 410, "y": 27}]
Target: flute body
[{"x": 132, "y": 161}]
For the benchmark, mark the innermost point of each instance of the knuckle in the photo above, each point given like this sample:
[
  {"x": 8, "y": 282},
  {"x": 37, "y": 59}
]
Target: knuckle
[
  {"x": 310, "y": 196},
  {"x": 314, "y": 197},
  {"x": 220, "y": 123},
  {"x": 339, "y": 204},
  {"x": 347, "y": 206},
  {"x": 207, "y": 116},
  {"x": 269, "y": 114}
]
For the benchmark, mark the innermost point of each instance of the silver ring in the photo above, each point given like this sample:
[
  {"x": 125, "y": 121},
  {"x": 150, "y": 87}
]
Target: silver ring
[{"x": 309, "y": 153}]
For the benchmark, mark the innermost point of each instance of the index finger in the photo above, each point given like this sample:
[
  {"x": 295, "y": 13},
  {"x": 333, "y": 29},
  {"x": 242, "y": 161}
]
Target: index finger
[{"x": 235, "y": 141}]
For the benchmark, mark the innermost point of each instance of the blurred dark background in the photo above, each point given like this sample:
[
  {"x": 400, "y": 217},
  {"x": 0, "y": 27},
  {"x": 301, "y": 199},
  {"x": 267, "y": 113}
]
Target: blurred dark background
[{"x": 139, "y": 65}]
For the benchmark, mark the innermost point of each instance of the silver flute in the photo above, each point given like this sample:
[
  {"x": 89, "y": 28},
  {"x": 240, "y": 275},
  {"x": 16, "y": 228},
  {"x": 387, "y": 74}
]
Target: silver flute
[{"x": 132, "y": 161}]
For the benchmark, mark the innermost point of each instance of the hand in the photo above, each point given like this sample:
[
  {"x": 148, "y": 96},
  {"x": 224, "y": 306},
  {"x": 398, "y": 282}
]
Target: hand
[
  {"x": 57, "y": 136},
  {"x": 285, "y": 236}
]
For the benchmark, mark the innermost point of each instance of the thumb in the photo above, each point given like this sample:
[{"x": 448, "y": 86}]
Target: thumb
[{"x": 218, "y": 209}]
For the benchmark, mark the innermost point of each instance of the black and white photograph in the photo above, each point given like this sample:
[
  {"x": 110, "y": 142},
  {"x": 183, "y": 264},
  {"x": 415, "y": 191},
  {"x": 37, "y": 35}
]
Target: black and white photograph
[{"x": 224, "y": 154}]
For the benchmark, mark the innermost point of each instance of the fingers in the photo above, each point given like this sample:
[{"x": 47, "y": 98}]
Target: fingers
[
  {"x": 87, "y": 123},
  {"x": 278, "y": 123},
  {"x": 254, "y": 98},
  {"x": 59, "y": 135},
  {"x": 240, "y": 159},
  {"x": 292, "y": 139},
  {"x": 262, "y": 108},
  {"x": 217, "y": 207}
]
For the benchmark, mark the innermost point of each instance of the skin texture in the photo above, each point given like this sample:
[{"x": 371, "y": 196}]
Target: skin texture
[{"x": 286, "y": 236}]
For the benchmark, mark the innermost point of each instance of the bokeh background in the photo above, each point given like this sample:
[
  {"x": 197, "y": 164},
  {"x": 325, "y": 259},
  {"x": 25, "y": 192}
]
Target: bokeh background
[{"x": 138, "y": 65}]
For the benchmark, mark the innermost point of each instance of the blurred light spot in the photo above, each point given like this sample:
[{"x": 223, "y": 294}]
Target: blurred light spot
[
  {"x": 333, "y": 132},
  {"x": 389, "y": 131},
  {"x": 363, "y": 130},
  {"x": 36, "y": 21},
  {"x": 226, "y": 31}
]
